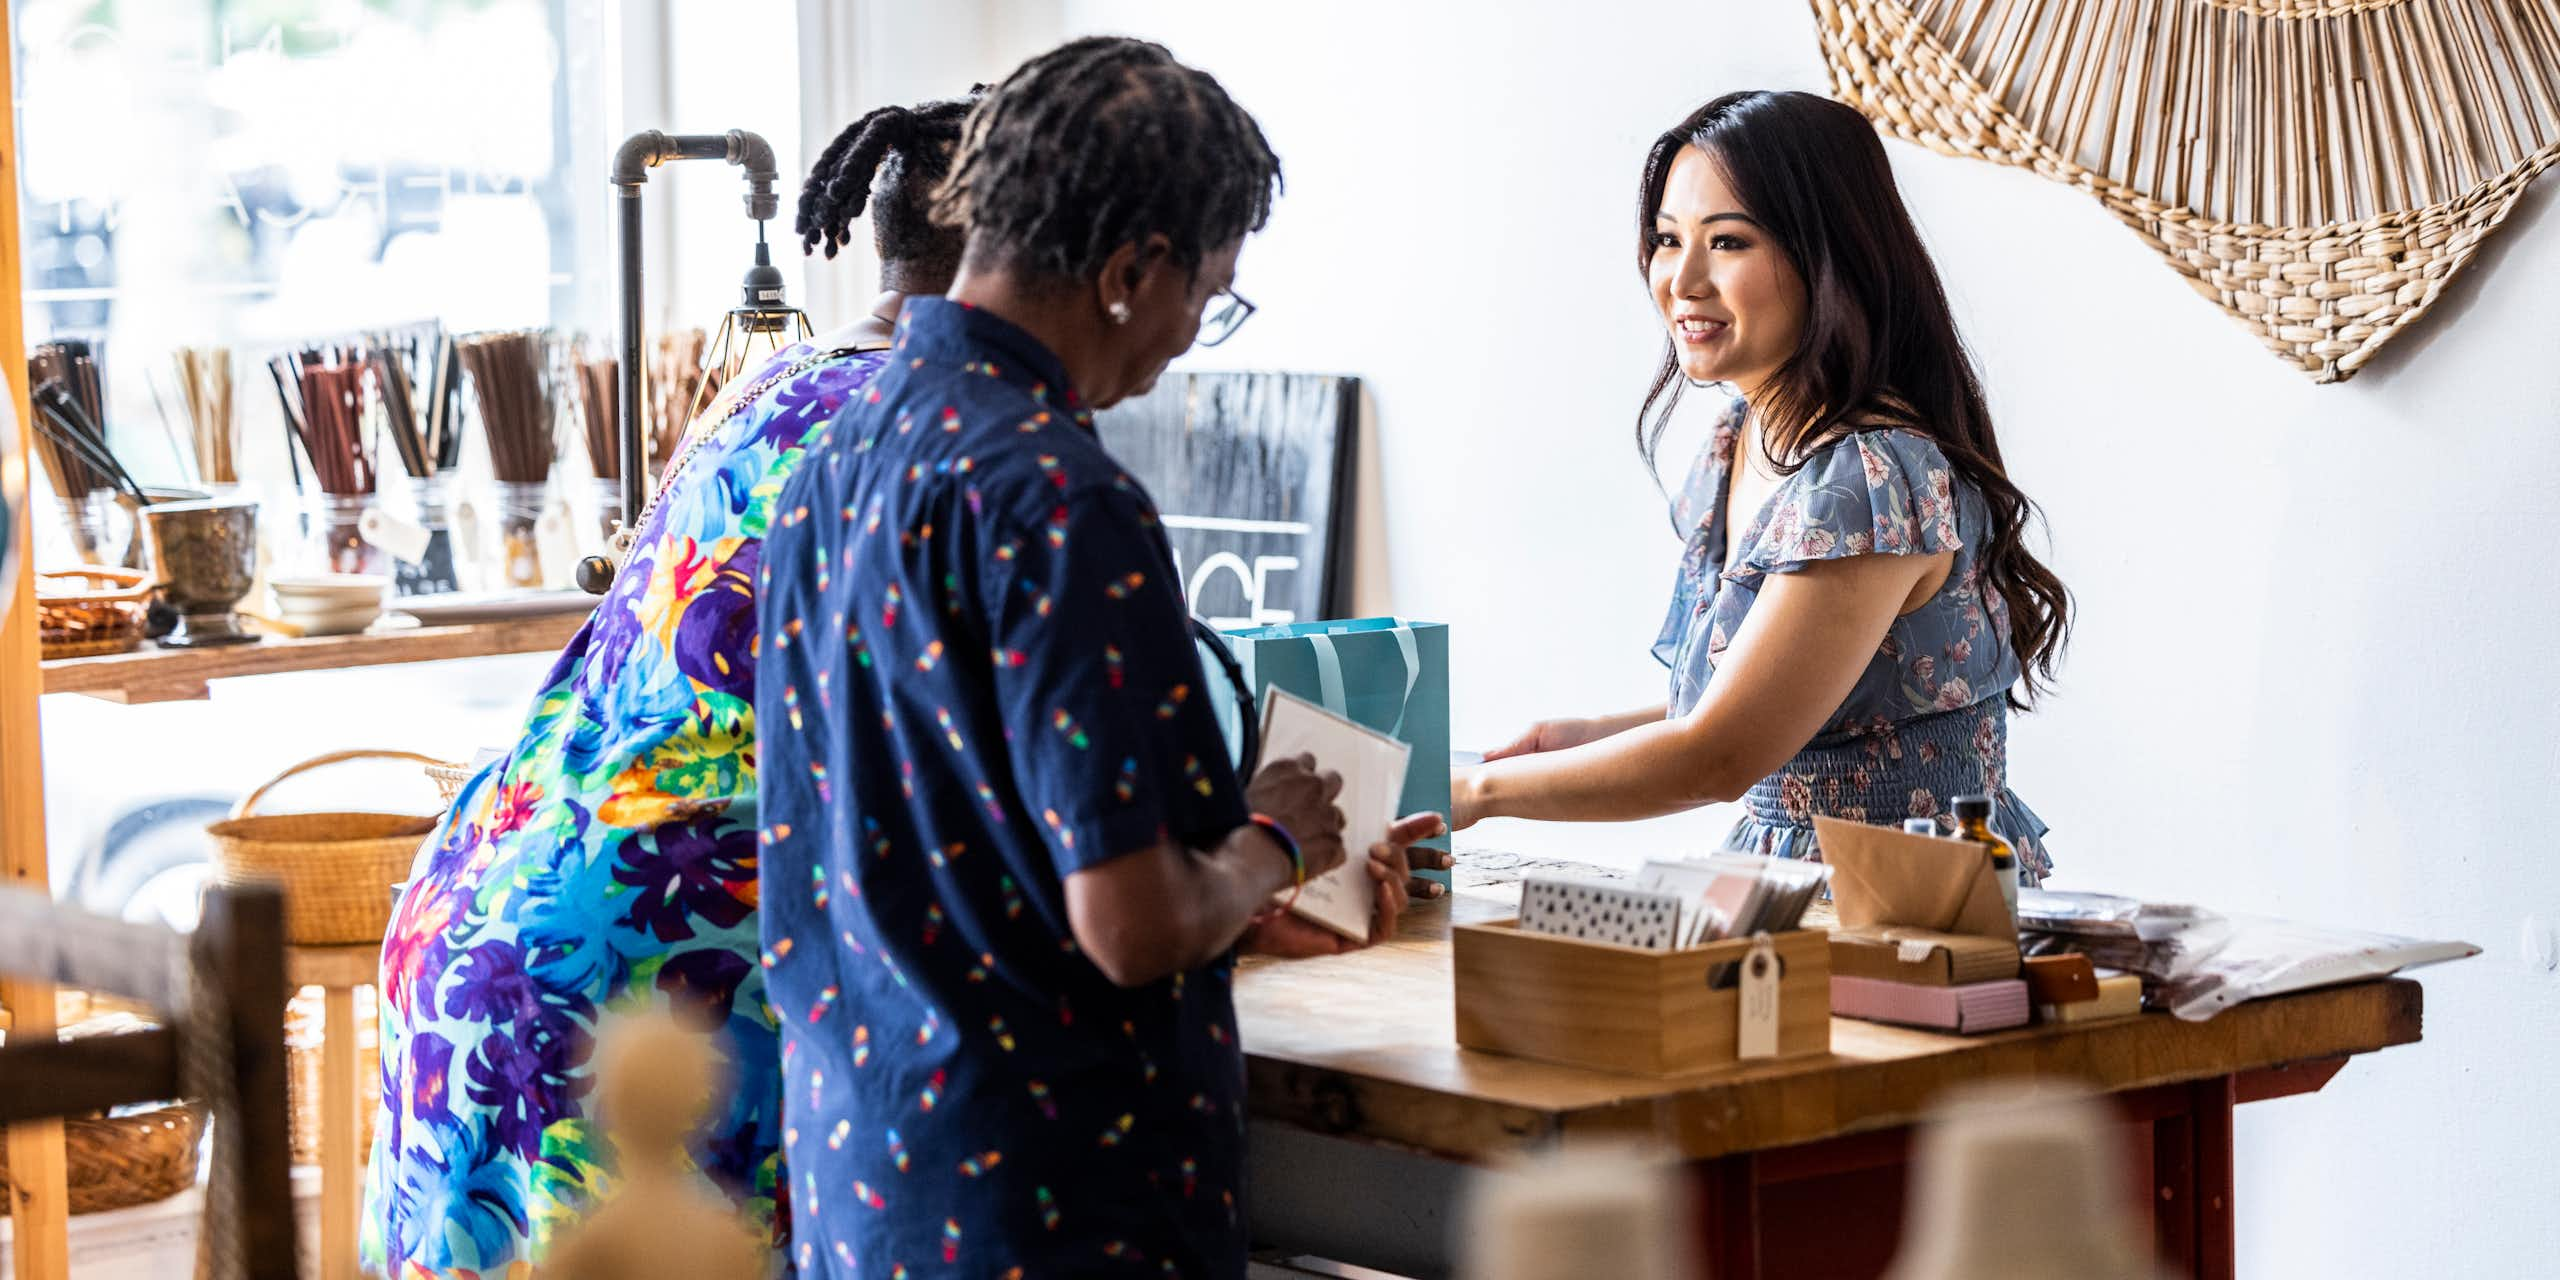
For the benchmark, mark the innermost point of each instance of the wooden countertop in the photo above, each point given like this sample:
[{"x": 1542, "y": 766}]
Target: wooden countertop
[{"x": 1364, "y": 1045}]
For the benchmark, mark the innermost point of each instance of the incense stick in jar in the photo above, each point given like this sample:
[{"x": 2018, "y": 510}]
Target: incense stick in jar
[
  {"x": 675, "y": 377},
  {"x": 404, "y": 378},
  {"x": 69, "y": 440},
  {"x": 322, "y": 393},
  {"x": 599, "y": 401},
  {"x": 511, "y": 382},
  {"x": 204, "y": 395}
]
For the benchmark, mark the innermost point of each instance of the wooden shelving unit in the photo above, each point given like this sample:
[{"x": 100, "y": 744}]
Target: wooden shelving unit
[
  {"x": 36, "y": 1191},
  {"x": 38, "y": 1199},
  {"x": 152, "y": 674}
]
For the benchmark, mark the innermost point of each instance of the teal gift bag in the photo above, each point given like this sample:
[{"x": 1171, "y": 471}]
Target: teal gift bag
[{"x": 1389, "y": 674}]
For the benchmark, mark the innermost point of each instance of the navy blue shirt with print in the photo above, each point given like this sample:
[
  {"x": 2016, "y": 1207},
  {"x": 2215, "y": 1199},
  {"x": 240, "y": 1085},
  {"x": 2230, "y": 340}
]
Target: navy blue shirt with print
[{"x": 977, "y": 679}]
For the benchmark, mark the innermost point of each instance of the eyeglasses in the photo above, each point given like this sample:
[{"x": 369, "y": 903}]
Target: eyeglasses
[{"x": 1224, "y": 318}]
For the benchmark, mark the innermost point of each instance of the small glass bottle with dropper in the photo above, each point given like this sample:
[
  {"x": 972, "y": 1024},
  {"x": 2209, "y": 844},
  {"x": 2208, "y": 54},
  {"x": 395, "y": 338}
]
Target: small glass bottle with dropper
[{"x": 1973, "y": 822}]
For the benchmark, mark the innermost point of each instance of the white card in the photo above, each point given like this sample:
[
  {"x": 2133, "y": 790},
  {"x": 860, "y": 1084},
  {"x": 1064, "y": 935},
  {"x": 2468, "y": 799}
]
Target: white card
[
  {"x": 1372, "y": 766},
  {"x": 1686, "y": 880},
  {"x": 1596, "y": 911}
]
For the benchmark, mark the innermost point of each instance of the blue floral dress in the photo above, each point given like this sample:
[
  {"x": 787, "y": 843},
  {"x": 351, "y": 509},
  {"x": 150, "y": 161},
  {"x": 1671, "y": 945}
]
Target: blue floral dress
[
  {"x": 607, "y": 861},
  {"x": 1929, "y": 719}
]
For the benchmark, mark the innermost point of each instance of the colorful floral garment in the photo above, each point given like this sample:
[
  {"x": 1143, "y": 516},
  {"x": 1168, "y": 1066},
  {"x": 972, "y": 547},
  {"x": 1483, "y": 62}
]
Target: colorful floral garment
[
  {"x": 1928, "y": 721},
  {"x": 977, "y": 681},
  {"x": 607, "y": 861}
]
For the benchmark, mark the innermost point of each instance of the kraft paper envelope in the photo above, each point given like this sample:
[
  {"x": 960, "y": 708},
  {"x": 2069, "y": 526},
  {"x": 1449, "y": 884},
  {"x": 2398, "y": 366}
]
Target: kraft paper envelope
[{"x": 1880, "y": 876}]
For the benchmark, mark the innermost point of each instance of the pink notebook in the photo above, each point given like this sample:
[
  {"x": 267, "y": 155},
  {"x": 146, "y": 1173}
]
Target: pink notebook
[{"x": 1980, "y": 1006}]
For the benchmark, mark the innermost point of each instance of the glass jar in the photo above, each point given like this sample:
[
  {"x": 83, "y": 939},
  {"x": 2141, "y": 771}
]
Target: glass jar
[
  {"x": 609, "y": 514},
  {"x": 431, "y": 505},
  {"x": 519, "y": 535},
  {"x": 333, "y": 535},
  {"x": 90, "y": 530}
]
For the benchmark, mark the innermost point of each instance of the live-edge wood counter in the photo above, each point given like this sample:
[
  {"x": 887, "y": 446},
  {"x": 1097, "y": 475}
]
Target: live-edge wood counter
[{"x": 1362, "y": 1047}]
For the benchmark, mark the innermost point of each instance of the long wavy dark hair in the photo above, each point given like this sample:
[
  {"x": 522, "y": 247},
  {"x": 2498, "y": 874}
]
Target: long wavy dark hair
[{"x": 1879, "y": 344}]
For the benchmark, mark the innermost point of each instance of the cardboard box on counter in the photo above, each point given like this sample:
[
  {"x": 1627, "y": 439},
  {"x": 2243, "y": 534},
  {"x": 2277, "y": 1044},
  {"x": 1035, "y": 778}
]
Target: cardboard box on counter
[{"x": 1925, "y": 957}]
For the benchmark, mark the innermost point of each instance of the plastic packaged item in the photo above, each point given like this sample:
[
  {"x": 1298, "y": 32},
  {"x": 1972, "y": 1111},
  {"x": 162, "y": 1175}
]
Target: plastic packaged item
[
  {"x": 2112, "y": 915},
  {"x": 2162, "y": 941},
  {"x": 2267, "y": 957}
]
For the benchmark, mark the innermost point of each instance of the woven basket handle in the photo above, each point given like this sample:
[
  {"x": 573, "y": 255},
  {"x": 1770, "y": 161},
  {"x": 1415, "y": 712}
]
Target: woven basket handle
[{"x": 250, "y": 801}]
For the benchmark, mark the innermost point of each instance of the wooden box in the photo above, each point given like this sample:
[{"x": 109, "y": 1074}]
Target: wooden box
[{"x": 1624, "y": 1009}]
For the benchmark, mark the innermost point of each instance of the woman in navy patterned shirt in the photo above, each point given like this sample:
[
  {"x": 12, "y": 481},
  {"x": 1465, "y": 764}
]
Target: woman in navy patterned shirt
[{"x": 1006, "y": 865}]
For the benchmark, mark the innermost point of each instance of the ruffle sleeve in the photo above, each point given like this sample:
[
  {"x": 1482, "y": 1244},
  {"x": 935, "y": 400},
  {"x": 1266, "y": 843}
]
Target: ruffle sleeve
[{"x": 1868, "y": 493}]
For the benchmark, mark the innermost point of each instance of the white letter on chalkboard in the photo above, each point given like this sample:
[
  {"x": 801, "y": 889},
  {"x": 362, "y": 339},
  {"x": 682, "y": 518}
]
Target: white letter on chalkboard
[
  {"x": 1232, "y": 563},
  {"x": 1263, "y": 568}
]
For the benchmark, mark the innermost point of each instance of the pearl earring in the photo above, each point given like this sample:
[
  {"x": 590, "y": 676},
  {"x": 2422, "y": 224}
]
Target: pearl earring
[{"x": 1119, "y": 313}]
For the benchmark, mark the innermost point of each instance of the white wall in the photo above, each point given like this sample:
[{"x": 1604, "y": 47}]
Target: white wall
[{"x": 2315, "y": 672}]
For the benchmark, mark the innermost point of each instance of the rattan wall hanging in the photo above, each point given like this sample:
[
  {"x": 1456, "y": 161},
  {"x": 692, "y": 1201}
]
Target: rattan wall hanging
[{"x": 2318, "y": 168}]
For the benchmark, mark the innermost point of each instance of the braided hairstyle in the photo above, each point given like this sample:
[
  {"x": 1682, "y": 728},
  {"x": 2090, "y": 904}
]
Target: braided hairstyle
[
  {"x": 1099, "y": 143},
  {"x": 890, "y": 160}
]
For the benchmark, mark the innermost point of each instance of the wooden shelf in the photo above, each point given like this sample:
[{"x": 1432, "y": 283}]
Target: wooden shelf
[{"x": 153, "y": 674}]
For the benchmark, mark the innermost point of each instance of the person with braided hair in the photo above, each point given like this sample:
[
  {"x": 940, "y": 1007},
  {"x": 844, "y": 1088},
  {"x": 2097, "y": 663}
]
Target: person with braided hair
[
  {"x": 890, "y": 161},
  {"x": 608, "y": 859},
  {"x": 1006, "y": 864}
]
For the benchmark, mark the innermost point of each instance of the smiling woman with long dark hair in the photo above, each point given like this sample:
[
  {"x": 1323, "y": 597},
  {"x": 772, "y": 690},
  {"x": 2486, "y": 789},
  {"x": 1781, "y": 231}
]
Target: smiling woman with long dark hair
[{"x": 1857, "y": 611}]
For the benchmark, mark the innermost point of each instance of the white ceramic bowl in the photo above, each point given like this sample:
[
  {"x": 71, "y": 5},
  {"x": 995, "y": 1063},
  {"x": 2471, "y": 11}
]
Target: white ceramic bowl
[
  {"x": 330, "y": 591},
  {"x": 331, "y": 621}
]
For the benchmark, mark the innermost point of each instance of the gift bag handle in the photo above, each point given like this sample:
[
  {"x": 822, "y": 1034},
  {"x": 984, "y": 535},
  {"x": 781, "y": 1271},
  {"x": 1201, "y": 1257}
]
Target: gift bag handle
[{"x": 1329, "y": 687}]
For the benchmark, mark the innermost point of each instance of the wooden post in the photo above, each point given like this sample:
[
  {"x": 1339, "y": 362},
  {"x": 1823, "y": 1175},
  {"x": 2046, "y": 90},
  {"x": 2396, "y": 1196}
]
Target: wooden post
[
  {"x": 341, "y": 1196},
  {"x": 36, "y": 1168},
  {"x": 241, "y": 939}
]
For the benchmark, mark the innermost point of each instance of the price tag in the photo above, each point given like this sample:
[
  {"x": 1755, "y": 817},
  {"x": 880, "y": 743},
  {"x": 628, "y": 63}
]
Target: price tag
[
  {"x": 553, "y": 534},
  {"x": 404, "y": 538},
  {"x": 471, "y": 549},
  {"x": 1757, "y": 1009}
]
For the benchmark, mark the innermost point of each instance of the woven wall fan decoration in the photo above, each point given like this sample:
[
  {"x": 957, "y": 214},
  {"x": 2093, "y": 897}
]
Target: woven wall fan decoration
[{"x": 2318, "y": 168}]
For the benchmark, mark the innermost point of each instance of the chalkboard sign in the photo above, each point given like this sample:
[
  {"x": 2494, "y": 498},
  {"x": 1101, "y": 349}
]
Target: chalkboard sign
[{"x": 1253, "y": 475}]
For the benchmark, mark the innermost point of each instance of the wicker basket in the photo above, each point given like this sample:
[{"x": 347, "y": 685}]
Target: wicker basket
[
  {"x": 337, "y": 869},
  {"x": 121, "y": 1161},
  {"x": 448, "y": 779},
  {"x": 81, "y": 613},
  {"x": 304, "y": 1033},
  {"x": 117, "y": 1162}
]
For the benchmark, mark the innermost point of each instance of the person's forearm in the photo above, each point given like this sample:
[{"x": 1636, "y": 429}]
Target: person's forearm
[
  {"x": 1175, "y": 909},
  {"x": 1235, "y": 881},
  {"x": 1612, "y": 726},
  {"x": 1641, "y": 771}
]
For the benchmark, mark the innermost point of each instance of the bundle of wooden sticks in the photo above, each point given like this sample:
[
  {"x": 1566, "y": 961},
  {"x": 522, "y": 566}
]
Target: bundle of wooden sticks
[{"x": 512, "y": 382}]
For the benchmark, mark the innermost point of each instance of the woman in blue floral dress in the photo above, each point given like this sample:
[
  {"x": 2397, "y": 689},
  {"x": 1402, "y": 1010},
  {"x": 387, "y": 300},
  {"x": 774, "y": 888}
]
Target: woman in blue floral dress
[
  {"x": 608, "y": 860},
  {"x": 1856, "y": 612}
]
